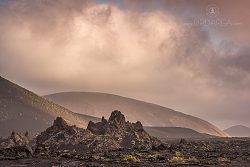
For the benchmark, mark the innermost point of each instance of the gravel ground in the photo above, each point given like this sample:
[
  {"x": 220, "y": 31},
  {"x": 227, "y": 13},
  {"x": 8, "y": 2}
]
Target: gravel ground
[{"x": 228, "y": 152}]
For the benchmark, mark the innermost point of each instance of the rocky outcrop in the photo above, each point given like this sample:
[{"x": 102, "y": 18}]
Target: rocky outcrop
[
  {"x": 15, "y": 139},
  {"x": 126, "y": 134},
  {"x": 17, "y": 145},
  {"x": 112, "y": 134},
  {"x": 60, "y": 133},
  {"x": 62, "y": 139}
]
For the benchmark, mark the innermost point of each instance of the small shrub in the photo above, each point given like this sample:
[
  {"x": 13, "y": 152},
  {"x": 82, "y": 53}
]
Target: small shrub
[
  {"x": 153, "y": 156},
  {"x": 97, "y": 157},
  {"x": 131, "y": 158},
  {"x": 178, "y": 154},
  {"x": 224, "y": 160},
  {"x": 177, "y": 160}
]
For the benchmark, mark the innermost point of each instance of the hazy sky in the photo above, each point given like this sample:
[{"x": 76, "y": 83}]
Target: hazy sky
[{"x": 189, "y": 55}]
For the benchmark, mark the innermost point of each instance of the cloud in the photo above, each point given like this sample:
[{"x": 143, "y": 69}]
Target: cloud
[{"x": 136, "y": 49}]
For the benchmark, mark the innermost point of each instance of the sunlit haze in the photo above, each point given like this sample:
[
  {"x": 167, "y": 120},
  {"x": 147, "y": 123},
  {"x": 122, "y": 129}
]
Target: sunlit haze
[{"x": 169, "y": 52}]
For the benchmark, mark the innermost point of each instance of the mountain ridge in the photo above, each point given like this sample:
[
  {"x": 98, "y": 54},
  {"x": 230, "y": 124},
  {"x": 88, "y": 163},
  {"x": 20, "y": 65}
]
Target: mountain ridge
[
  {"x": 238, "y": 131},
  {"x": 21, "y": 109},
  {"x": 19, "y": 106},
  {"x": 99, "y": 104}
]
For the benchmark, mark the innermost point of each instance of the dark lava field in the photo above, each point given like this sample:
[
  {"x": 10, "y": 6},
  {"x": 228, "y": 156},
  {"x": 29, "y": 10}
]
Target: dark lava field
[
  {"x": 116, "y": 142},
  {"x": 212, "y": 152}
]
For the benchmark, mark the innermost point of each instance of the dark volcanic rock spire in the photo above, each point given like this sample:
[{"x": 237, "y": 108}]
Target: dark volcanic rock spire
[
  {"x": 127, "y": 134},
  {"x": 59, "y": 132},
  {"x": 117, "y": 118},
  {"x": 60, "y": 123},
  {"x": 115, "y": 123}
]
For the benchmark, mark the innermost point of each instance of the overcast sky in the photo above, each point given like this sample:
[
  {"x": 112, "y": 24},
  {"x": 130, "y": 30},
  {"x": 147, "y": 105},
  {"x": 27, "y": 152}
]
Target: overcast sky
[{"x": 191, "y": 56}]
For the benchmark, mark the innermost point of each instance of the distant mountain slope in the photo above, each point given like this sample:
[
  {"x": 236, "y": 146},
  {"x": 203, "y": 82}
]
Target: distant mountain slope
[
  {"x": 238, "y": 131},
  {"x": 100, "y": 104},
  {"x": 175, "y": 132},
  {"x": 22, "y": 110}
]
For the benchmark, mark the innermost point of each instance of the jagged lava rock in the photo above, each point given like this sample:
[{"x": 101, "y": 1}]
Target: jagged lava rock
[
  {"x": 112, "y": 134},
  {"x": 115, "y": 124},
  {"x": 15, "y": 139},
  {"x": 17, "y": 145},
  {"x": 126, "y": 134},
  {"x": 61, "y": 133}
]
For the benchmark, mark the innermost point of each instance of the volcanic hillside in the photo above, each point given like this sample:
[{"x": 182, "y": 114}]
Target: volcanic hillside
[
  {"x": 21, "y": 110},
  {"x": 100, "y": 104}
]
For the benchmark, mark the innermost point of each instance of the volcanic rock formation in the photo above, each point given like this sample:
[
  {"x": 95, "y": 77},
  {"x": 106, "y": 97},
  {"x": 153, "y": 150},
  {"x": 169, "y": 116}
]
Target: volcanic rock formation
[
  {"x": 112, "y": 134},
  {"x": 15, "y": 139}
]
